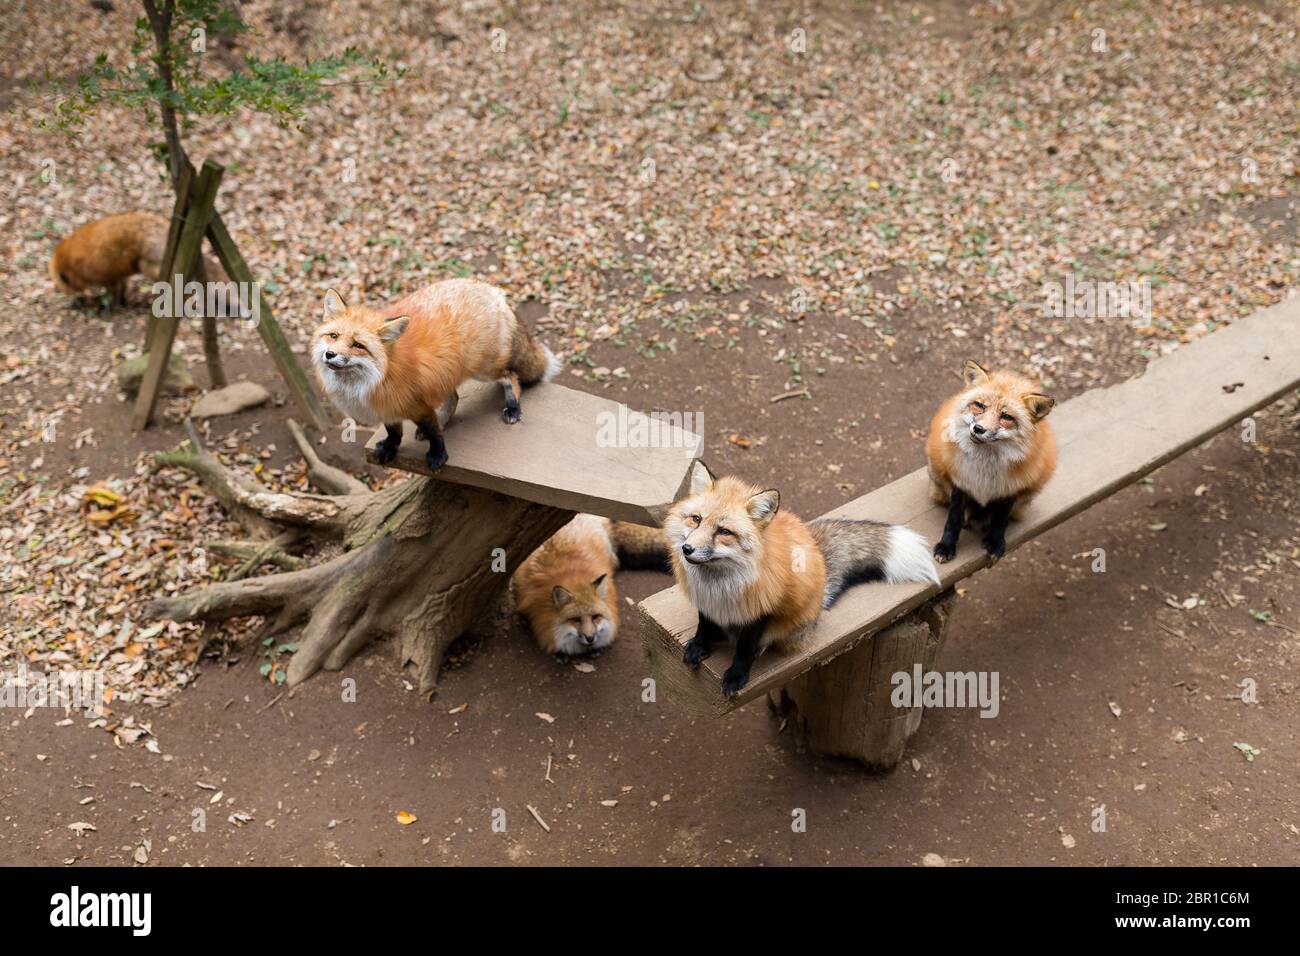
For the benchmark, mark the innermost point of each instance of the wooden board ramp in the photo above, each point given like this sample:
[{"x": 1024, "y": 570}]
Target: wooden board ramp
[
  {"x": 572, "y": 451},
  {"x": 1108, "y": 438}
]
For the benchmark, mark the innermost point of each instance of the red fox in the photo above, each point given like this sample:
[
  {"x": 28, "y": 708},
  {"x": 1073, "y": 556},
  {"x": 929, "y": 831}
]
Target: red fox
[
  {"x": 566, "y": 590},
  {"x": 759, "y": 576},
  {"x": 108, "y": 251},
  {"x": 990, "y": 452},
  {"x": 406, "y": 360}
]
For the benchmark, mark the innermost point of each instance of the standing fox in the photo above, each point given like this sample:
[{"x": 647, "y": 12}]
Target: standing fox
[
  {"x": 406, "y": 360},
  {"x": 566, "y": 587},
  {"x": 108, "y": 251},
  {"x": 759, "y": 576},
  {"x": 990, "y": 452}
]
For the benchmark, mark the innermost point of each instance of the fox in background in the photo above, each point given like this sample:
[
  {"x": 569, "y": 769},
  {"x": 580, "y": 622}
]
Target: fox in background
[
  {"x": 404, "y": 361},
  {"x": 760, "y": 577},
  {"x": 109, "y": 251},
  {"x": 989, "y": 453},
  {"x": 566, "y": 590}
]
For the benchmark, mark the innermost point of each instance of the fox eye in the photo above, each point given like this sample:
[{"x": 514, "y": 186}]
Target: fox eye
[
  {"x": 694, "y": 521},
  {"x": 979, "y": 406},
  {"x": 360, "y": 347},
  {"x": 724, "y": 531},
  {"x": 1008, "y": 421},
  {"x": 332, "y": 336},
  {"x": 595, "y": 619}
]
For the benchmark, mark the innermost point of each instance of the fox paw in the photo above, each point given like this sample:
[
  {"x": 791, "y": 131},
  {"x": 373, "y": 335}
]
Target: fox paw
[
  {"x": 995, "y": 546},
  {"x": 695, "y": 652},
  {"x": 511, "y": 414},
  {"x": 944, "y": 551},
  {"x": 384, "y": 452},
  {"x": 733, "y": 681},
  {"x": 435, "y": 461}
]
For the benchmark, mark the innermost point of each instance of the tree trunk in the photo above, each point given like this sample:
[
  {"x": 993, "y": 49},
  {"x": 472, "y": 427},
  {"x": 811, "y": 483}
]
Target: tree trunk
[{"x": 423, "y": 561}]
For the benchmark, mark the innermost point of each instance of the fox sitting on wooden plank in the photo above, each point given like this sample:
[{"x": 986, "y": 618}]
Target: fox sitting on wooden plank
[
  {"x": 760, "y": 577},
  {"x": 990, "y": 453}
]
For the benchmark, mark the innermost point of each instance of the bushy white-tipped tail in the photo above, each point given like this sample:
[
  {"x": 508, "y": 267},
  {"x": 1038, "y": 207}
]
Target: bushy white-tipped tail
[
  {"x": 553, "y": 364},
  {"x": 909, "y": 558}
]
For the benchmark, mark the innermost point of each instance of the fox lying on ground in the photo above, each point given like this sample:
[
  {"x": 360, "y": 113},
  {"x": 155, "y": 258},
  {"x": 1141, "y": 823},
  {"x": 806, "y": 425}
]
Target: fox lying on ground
[
  {"x": 759, "y": 576},
  {"x": 406, "y": 359},
  {"x": 566, "y": 587},
  {"x": 990, "y": 452},
  {"x": 108, "y": 251}
]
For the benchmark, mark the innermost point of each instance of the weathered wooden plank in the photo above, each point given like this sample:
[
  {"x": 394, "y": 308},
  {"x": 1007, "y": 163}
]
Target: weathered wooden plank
[
  {"x": 162, "y": 335},
  {"x": 1108, "y": 438},
  {"x": 267, "y": 327},
  {"x": 572, "y": 450}
]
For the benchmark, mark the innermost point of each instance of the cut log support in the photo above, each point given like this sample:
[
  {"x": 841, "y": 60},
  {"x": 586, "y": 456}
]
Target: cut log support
[
  {"x": 845, "y": 707},
  {"x": 424, "y": 561}
]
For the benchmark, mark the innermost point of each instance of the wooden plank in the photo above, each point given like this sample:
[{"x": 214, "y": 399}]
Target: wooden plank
[
  {"x": 202, "y": 196},
  {"x": 1108, "y": 438},
  {"x": 560, "y": 454},
  {"x": 269, "y": 329}
]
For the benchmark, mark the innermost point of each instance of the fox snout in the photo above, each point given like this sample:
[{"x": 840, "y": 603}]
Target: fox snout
[
  {"x": 696, "y": 555},
  {"x": 336, "y": 361}
]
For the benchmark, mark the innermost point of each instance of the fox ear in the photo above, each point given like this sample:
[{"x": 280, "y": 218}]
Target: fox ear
[
  {"x": 560, "y": 596},
  {"x": 334, "y": 304},
  {"x": 701, "y": 478},
  {"x": 764, "y": 506},
  {"x": 601, "y": 584},
  {"x": 390, "y": 330},
  {"x": 1039, "y": 405},
  {"x": 973, "y": 372}
]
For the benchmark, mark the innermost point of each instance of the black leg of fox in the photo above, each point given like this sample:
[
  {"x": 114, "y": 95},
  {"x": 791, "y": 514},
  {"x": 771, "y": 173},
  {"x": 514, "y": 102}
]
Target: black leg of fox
[
  {"x": 512, "y": 412},
  {"x": 947, "y": 546},
  {"x": 707, "y": 633},
  {"x": 995, "y": 541},
  {"x": 436, "y": 456},
  {"x": 386, "y": 450},
  {"x": 748, "y": 643}
]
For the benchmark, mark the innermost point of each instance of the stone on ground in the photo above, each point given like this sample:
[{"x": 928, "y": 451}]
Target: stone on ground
[
  {"x": 231, "y": 399},
  {"x": 176, "y": 380}
]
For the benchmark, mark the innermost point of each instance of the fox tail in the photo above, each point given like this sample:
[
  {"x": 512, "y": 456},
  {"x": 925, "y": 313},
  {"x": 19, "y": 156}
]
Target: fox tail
[
  {"x": 860, "y": 551},
  {"x": 533, "y": 360},
  {"x": 639, "y": 548}
]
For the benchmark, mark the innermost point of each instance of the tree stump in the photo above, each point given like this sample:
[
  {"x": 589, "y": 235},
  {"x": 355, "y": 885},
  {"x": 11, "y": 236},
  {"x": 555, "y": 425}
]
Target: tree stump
[
  {"x": 423, "y": 561},
  {"x": 843, "y": 707}
]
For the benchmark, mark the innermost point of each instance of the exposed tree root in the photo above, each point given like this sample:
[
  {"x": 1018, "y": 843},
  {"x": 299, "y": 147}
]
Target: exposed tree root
[{"x": 423, "y": 561}]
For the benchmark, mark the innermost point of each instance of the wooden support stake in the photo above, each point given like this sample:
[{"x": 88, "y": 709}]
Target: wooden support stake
[
  {"x": 173, "y": 240},
  {"x": 844, "y": 707},
  {"x": 203, "y": 195},
  {"x": 270, "y": 331}
]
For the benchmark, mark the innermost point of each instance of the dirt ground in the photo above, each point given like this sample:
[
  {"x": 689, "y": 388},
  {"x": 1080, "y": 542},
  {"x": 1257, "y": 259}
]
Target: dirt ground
[{"x": 1119, "y": 689}]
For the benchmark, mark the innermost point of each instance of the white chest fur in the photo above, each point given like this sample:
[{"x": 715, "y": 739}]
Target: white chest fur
[{"x": 719, "y": 597}]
